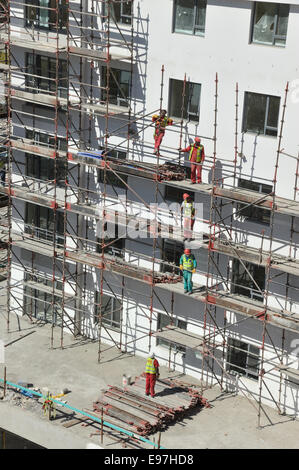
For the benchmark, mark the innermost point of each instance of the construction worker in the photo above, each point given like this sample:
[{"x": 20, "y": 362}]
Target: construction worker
[
  {"x": 160, "y": 125},
  {"x": 188, "y": 265},
  {"x": 151, "y": 374},
  {"x": 196, "y": 157},
  {"x": 188, "y": 212}
]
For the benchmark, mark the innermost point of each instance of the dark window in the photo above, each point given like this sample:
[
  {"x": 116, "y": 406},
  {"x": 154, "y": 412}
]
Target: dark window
[
  {"x": 243, "y": 284},
  {"x": 172, "y": 251},
  {"x": 261, "y": 113},
  {"x": 37, "y": 302},
  {"x": 165, "y": 320},
  {"x": 111, "y": 311},
  {"x": 39, "y": 221},
  {"x": 251, "y": 212},
  {"x": 41, "y": 74},
  {"x": 270, "y": 23},
  {"x": 175, "y": 194},
  {"x": 119, "y": 86},
  {"x": 189, "y": 16},
  {"x": 42, "y": 14},
  {"x": 115, "y": 248},
  {"x": 121, "y": 12},
  {"x": 112, "y": 179},
  {"x": 191, "y": 98},
  {"x": 243, "y": 358},
  {"x": 115, "y": 153},
  {"x": 42, "y": 168}
]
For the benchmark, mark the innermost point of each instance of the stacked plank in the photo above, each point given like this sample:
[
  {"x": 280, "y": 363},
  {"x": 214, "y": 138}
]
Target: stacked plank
[{"x": 130, "y": 409}]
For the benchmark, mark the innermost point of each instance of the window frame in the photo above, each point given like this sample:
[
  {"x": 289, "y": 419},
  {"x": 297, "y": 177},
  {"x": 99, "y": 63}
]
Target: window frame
[
  {"x": 165, "y": 343},
  {"x": 34, "y": 83},
  {"x": 35, "y": 228},
  {"x": 250, "y": 289},
  {"x": 186, "y": 104},
  {"x": 196, "y": 8},
  {"x": 266, "y": 127},
  {"x": 254, "y": 213},
  {"x": 36, "y": 21},
  {"x": 111, "y": 323},
  {"x": 34, "y": 295},
  {"x": 122, "y": 15},
  {"x": 36, "y": 160},
  {"x": 251, "y": 352},
  {"x": 122, "y": 101},
  {"x": 178, "y": 250},
  {"x": 275, "y": 36}
]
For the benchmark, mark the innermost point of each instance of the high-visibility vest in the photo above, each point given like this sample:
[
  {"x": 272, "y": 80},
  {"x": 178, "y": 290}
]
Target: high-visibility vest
[
  {"x": 198, "y": 153},
  {"x": 150, "y": 368},
  {"x": 188, "y": 209},
  {"x": 161, "y": 124},
  {"x": 188, "y": 263}
]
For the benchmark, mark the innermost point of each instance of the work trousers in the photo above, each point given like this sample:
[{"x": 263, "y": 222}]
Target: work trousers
[
  {"x": 196, "y": 168},
  {"x": 150, "y": 384},
  {"x": 158, "y": 140},
  {"x": 188, "y": 284},
  {"x": 188, "y": 227}
]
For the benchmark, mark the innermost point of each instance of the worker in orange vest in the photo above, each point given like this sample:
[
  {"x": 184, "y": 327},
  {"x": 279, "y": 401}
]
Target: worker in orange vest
[
  {"x": 161, "y": 122},
  {"x": 188, "y": 212},
  {"x": 151, "y": 374},
  {"x": 196, "y": 157}
]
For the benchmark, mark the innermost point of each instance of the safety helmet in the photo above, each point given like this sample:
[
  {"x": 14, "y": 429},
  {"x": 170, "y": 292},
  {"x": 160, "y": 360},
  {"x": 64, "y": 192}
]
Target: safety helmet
[
  {"x": 187, "y": 251},
  {"x": 185, "y": 196},
  {"x": 197, "y": 139},
  {"x": 152, "y": 355}
]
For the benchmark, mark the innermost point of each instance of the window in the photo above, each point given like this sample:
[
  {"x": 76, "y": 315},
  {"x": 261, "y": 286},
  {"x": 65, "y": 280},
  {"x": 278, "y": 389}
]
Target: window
[
  {"x": 254, "y": 213},
  {"x": 189, "y": 16},
  {"x": 112, "y": 179},
  {"x": 165, "y": 320},
  {"x": 191, "y": 99},
  {"x": 43, "y": 168},
  {"x": 242, "y": 358},
  {"x": 243, "y": 284},
  {"x": 45, "y": 69},
  {"x": 175, "y": 194},
  {"x": 119, "y": 84},
  {"x": 121, "y": 12},
  {"x": 115, "y": 153},
  {"x": 42, "y": 14},
  {"x": 111, "y": 311},
  {"x": 117, "y": 247},
  {"x": 172, "y": 251},
  {"x": 270, "y": 23},
  {"x": 38, "y": 303},
  {"x": 261, "y": 113},
  {"x": 39, "y": 221}
]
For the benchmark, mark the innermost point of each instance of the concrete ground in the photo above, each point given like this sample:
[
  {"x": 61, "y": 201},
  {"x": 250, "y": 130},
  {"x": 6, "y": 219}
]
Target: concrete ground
[{"x": 231, "y": 423}]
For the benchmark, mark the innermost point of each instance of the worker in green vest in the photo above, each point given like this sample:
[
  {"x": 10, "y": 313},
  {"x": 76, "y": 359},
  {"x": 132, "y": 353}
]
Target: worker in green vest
[
  {"x": 188, "y": 266},
  {"x": 151, "y": 374}
]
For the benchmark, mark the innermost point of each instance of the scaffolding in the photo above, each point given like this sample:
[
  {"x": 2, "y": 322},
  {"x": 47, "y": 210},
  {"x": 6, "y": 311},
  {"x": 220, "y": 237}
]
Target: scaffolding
[{"x": 76, "y": 102}]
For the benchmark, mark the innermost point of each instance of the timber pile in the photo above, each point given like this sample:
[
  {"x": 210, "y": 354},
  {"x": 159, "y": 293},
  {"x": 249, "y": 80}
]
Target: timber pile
[{"x": 130, "y": 409}]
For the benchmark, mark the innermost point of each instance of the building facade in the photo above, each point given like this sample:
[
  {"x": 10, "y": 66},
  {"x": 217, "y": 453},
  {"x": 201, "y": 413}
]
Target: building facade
[{"x": 95, "y": 229}]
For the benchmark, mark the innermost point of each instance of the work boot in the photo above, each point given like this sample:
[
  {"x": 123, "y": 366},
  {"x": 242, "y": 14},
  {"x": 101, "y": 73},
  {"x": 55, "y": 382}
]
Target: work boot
[
  {"x": 185, "y": 291},
  {"x": 190, "y": 292}
]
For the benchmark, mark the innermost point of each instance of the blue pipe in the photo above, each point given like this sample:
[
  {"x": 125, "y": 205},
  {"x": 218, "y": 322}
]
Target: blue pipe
[{"x": 94, "y": 418}]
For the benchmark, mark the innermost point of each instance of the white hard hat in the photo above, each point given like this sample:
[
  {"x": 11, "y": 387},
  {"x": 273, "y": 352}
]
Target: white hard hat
[{"x": 152, "y": 355}]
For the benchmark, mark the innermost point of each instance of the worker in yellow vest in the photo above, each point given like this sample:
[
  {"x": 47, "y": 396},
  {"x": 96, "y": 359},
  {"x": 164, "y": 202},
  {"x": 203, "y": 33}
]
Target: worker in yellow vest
[
  {"x": 188, "y": 266},
  {"x": 151, "y": 374},
  {"x": 188, "y": 213},
  {"x": 196, "y": 157}
]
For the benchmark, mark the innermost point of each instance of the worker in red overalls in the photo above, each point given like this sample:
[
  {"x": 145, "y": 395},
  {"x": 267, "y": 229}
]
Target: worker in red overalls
[
  {"x": 196, "y": 157},
  {"x": 151, "y": 374},
  {"x": 160, "y": 125},
  {"x": 188, "y": 213}
]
